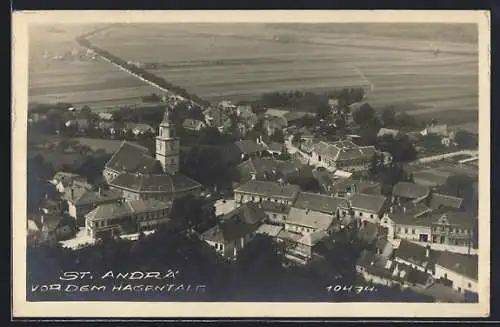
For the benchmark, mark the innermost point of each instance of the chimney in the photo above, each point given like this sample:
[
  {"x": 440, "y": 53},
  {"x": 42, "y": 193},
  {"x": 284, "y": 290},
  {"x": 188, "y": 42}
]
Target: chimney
[
  {"x": 404, "y": 209},
  {"x": 100, "y": 190},
  {"x": 46, "y": 196},
  {"x": 427, "y": 251}
]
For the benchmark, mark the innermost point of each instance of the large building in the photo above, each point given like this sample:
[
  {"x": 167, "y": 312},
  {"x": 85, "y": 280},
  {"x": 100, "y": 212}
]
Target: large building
[{"x": 138, "y": 175}]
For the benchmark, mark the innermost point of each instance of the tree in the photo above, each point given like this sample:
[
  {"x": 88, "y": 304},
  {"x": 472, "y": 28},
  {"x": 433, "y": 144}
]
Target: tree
[
  {"x": 193, "y": 212},
  {"x": 374, "y": 167},
  {"x": 284, "y": 155},
  {"x": 405, "y": 120},
  {"x": 86, "y": 110},
  {"x": 322, "y": 110},
  {"x": 400, "y": 147},
  {"x": 278, "y": 136},
  {"x": 388, "y": 116},
  {"x": 296, "y": 138},
  {"x": 466, "y": 140}
]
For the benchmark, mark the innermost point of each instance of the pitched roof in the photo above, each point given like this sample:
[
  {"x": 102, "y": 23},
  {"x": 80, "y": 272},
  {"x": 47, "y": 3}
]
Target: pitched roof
[
  {"x": 459, "y": 218},
  {"x": 415, "y": 215},
  {"x": 318, "y": 202},
  {"x": 416, "y": 254},
  {"x": 269, "y": 189},
  {"x": 311, "y": 239},
  {"x": 463, "y": 264},
  {"x": 274, "y": 207},
  {"x": 192, "y": 123},
  {"x": 326, "y": 150},
  {"x": 235, "y": 224},
  {"x": 387, "y": 131},
  {"x": 161, "y": 183},
  {"x": 110, "y": 211},
  {"x": 248, "y": 146},
  {"x": 410, "y": 190},
  {"x": 82, "y": 196},
  {"x": 141, "y": 206},
  {"x": 294, "y": 115},
  {"x": 367, "y": 202},
  {"x": 312, "y": 219},
  {"x": 270, "y": 230},
  {"x": 289, "y": 236},
  {"x": 131, "y": 157},
  {"x": 438, "y": 200},
  {"x": 276, "y": 147},
  {"x": 66, "y": 178}
]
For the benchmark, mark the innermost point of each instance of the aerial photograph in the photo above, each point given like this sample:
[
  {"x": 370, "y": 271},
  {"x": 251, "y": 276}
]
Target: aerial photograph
[{"x": 253, "y": 162}]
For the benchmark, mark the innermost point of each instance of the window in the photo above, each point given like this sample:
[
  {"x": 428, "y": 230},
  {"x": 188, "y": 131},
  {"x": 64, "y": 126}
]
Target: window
[
  {"x": 274, "y": 215},
  {"x": 413, "y": 231},
  {"x": 459, "y": 289},
  {"x": 361, "y": 214},
  {"x": 399, "y": 229},
  {"x": 469, "y": 285},
  {"x": 371, "y": 216},
  {"x": 284, "y": 217},
  {"x": 406, "y": 230}
]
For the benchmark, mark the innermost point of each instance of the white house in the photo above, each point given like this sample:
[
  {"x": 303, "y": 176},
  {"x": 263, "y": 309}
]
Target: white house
[{"x": 461, "y": 270}]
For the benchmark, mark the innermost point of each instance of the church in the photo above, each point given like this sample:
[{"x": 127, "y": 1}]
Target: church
[{"x": 139, "y": 175}]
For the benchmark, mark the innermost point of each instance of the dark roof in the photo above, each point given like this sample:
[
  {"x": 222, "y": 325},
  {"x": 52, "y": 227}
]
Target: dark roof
[
  {"x": 161, "y": 183},
  {"x": 368, "y": 232},
  {"x": 457, "y": 218},
  {"x": 463, "y": 264},
  {"x": 249, "y": 146},
  {"x": 274, "y": 189},
  {"x": 416, "y": 254},
  {"x": 110, "y": 211},
  {"x": 438, "y": 200},
  {"x": 132, "y": 157},
  {"x": 294, "y": 115},
  {"x": 241, "y": 221},
  {"x": 149, "y": 205},
  {"x": 367, "y": 202},
  {"x": 367, "y": 258},
  {"x": 274, "y": 207},
  {"x": 410, "y": 190},
  {"x": 415, "y": 215},
  {"x": 82, "y": 196},
  {"x": 318, "y": 202},
  {"x": 276, "y": 147}
]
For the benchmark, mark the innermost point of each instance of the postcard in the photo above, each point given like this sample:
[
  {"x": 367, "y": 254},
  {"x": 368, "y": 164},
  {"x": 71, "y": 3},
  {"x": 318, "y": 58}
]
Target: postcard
[{"x": 251, "y": 164}]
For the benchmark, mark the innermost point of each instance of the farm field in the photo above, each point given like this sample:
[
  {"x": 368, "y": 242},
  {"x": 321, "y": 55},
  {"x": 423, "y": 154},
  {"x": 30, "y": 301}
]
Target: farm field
[
  {"x": 437, "y": 173},
  {"x": 95, "y": 83},
  {"x": 240, "y": 61}
]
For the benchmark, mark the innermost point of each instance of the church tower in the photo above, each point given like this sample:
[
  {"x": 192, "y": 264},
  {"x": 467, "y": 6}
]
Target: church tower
[{"x": 167, "y": 146}]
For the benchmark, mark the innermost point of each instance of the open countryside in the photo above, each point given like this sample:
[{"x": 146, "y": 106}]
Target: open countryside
[{"x": 216, "y": 62}]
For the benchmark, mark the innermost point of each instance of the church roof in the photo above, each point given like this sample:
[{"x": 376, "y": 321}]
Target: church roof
[
  {"x": 132, "y": 157},
  {"x": 157, "y": 183}
]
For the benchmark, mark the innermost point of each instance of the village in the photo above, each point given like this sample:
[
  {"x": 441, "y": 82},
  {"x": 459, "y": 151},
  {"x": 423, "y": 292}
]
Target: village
[{"x": 299, "y": 179}]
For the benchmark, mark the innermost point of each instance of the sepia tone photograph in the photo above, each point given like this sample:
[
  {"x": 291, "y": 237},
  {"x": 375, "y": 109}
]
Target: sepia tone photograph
[{"x": 177, "y": 161}]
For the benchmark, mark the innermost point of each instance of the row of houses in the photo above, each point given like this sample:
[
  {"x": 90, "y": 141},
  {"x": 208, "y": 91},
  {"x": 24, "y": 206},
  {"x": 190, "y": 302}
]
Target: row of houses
[{"x": 423, "y": 269}]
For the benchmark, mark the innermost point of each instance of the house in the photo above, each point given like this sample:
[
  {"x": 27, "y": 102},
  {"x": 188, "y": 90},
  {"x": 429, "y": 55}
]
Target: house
[
  {"x": 410, "y": 222},
  {"x": 125, "y": 217},
  {"x": 441, "y": 130},
  {"x": 302, "y": 251},
  {"x": 249, "y": 148},
  {"x": 383, "y": 247},
  {"x": 192, "y": 124},
  {"x": 139, "y": 129},
  {"x": 304, "y": 221},
  {"x": 259, "y": 191},
  {"x": 138, "y": 175},
  {"x": 460, "y": 271},
  {"x": 294, "y": 116},
  {"x": 81, "y": 200},
  {"x": 454, "y": 228},
  {"x": 268, "y": 169},
  {"x": 346, "y": 155},
  {"x": 269, "y": 230},
  {"x": 334, "y": 105},
  {"x": 364, "y": 207},
  {"x": 387, "y": 131},
  {"x": 51, "y": 228},
  {"x": 419, "y": 257},
  {"x": 277, "y": 213},
  {"x": 318, "y": 203},
  {"x": 62, "y": 180},
  {"x": 235, "y": 230},
  {"x": 161, "y": 187},
  {"x": 404, "y": 192},
  {"x": 108, "y": 116},
  {"x": 272, "y": 124},
  {"x": 50, "y": 206},
  {"x": 438, "y": 201},
  {"x": 346, "y": 187},
  {"x": 378, "y": 270}
]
